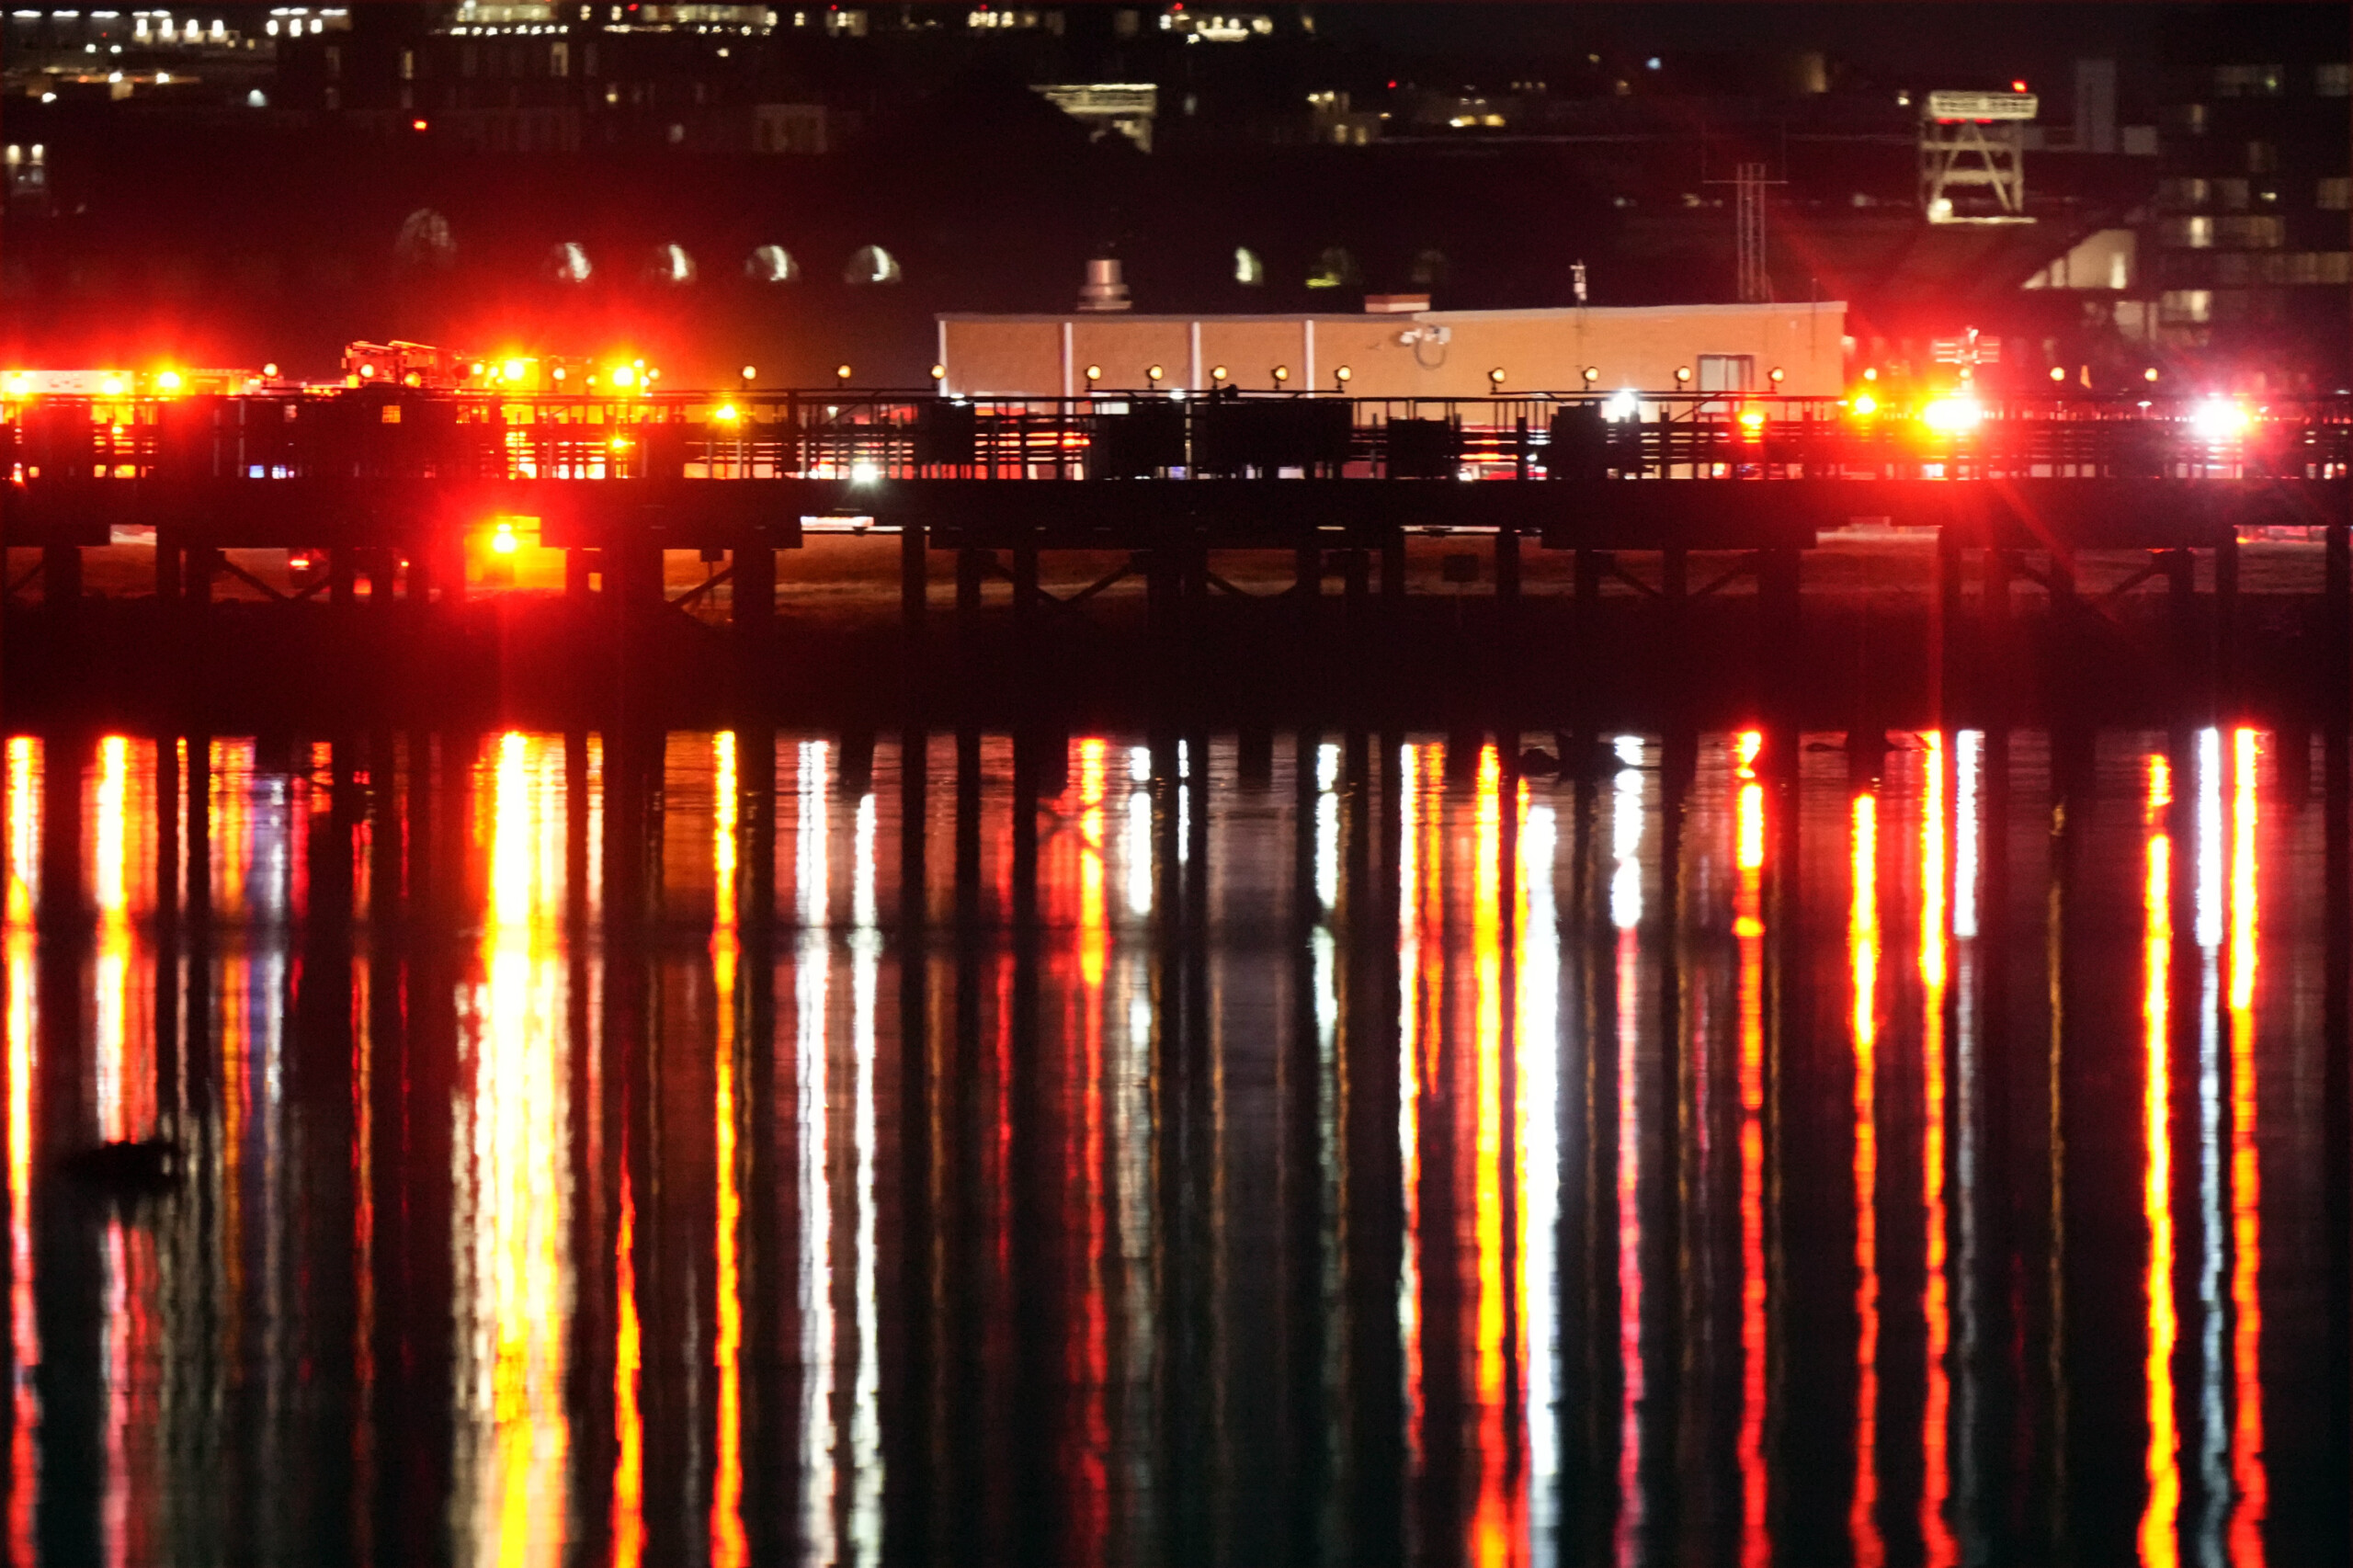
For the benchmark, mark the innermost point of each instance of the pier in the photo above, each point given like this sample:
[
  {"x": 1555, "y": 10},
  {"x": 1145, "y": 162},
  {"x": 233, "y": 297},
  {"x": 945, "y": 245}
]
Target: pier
[{"x": 393, "y": 492}]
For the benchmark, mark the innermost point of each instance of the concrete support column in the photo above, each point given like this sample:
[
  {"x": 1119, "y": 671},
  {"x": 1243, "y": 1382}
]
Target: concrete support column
[
  {"x": 1781, "y": 622},
  {"x": 1944, "y": 628},
  {"x": 2337, "y": 631},
  {"x": 168, "y": 545},
  {"x": 2226, "y": 625},
  {"x": 753, "y": 564},
  {"x": 914, "y": 581},
  {"x": 60, "y": 584},
  {"x": 2181, "y": 613},
  {"x": 1507, "y": 588}
]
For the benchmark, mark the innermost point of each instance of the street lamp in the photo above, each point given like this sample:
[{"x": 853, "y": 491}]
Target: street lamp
[
  {"x": 1683, "y": 375},
  {"x": 1094, "y": 374},
  {"x": 1217, "y": 374},
  {"x": 1495, "y": 378},
  {"x": 1283, "y": 374},
  {"x": 1592, "y": 373},
  {"x": 841, "y": 374},
  {"x": 1153, "y": 374}
]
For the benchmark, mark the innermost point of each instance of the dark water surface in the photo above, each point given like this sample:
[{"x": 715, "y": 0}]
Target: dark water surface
[{"x": 764, "y": 1147}]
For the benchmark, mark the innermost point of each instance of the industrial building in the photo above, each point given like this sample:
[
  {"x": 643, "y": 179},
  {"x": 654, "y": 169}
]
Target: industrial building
[{"x": 1790, "y": 348}]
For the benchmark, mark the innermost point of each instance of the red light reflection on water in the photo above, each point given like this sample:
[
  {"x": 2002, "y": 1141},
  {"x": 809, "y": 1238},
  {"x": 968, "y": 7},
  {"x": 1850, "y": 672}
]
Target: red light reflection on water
[
  {"x": 1496, "y": 1521},
  {"x": 1748, "y": 934},
  {"x": 1863, "y": 952},
  {"x": 727, "y": 1544},
  {"x": 1935, "y": 1483},
  {"x": 1626, "y": 912}
]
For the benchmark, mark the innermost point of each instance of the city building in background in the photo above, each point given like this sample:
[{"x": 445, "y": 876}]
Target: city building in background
[{"x": 800, "y": 186}]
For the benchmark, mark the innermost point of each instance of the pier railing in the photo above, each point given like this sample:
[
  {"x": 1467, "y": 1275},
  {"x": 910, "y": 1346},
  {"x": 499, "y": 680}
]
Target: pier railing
[{"x": 1131, "y": 434}]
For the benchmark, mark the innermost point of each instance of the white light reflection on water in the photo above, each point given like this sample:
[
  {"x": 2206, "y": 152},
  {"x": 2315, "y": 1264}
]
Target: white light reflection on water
[
  {"x": 865, "y": 1407},
  {"x": 124, "y": 1081},
  {"x": 1537, "y": 969},
  {"x": 2213, "y": 1423},
  {"x": 511, "y": 1220},
  {"x": 819, "y": 1468},
  {"x": 1968, "y": 849}
]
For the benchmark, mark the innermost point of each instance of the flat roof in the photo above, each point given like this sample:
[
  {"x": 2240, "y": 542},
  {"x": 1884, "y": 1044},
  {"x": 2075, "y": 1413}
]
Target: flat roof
[{"x": 1533, "y": 312}]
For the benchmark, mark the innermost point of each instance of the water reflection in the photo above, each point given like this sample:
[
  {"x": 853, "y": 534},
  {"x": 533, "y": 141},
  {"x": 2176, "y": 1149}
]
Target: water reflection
[{"x": 738, "y": 1147}]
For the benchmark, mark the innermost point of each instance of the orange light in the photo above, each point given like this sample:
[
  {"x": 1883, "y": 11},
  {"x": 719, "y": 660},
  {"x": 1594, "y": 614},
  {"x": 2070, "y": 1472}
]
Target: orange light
[
  {"x": 270, "y": 370},
  {"x": 502, "y": 541},
  {"x": 515, "y": 369},
  {"x": 623, "y": 375},
  {"x": 111, "y": 386},
  {"x": 368, "y": 370},
  {"x": 725, "y": 412},
  {"x": 1870, "y": 372},
  {"x": 1752, "y": 419},
  {"x": 416, "y": 125},
  {"x": 1863, "y": 405},
  {"x": 169, "y": 381},
  {"x": 619, "y": 443},
  {"x": 2018, "y": 86}
]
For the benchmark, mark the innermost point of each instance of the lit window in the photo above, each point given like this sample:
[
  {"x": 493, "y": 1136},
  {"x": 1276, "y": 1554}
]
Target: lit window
[
  {"x": 1247, "y": 268},
  {"x": 2186, "y": 306}
]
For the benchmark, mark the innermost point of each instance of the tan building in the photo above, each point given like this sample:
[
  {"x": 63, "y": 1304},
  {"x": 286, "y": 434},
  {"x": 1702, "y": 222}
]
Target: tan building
[{"x": 1428, "y": 354}]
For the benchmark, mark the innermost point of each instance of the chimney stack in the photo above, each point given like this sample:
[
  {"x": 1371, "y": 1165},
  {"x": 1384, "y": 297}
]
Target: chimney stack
[{"x": 1104, "y": 289}]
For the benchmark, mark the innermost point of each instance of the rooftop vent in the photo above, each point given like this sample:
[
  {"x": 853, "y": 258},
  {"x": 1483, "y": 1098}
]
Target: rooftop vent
[{"x": 1106, "y": 289}]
